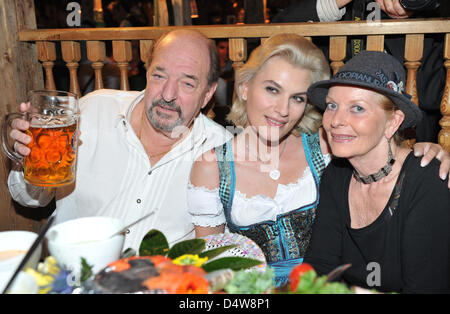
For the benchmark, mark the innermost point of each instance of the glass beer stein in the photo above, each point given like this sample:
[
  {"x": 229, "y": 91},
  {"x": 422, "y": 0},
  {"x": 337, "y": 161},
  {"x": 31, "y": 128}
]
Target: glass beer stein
[{"x": 53, "y": 118}]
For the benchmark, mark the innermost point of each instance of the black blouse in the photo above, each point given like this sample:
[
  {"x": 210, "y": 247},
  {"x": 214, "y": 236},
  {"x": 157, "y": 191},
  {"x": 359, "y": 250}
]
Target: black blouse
[{"x": 406, "y": 249}]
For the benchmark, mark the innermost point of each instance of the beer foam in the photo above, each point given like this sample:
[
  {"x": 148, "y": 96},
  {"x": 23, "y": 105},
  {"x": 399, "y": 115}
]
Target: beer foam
[{"x": 45, "y": 122}]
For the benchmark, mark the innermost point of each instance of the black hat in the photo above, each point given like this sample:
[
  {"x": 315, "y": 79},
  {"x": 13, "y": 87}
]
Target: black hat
[{"x": 378, "y": 71}]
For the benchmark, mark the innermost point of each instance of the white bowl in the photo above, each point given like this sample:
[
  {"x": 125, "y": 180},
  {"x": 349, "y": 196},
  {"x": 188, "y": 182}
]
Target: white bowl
[
  {"x": 18, "y": 240},
  {"x": 23, "y": 284},
  {"x": 85, "y": 237}
]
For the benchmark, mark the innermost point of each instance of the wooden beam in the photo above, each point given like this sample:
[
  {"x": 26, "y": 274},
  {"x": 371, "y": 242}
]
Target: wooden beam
[
  {"x": 342, "y": 28},
  {"x": 20, "y": 73}
]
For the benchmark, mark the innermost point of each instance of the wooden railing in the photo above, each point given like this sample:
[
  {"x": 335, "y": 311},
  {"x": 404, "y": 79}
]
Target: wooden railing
[{"x": 414, "y": 31}]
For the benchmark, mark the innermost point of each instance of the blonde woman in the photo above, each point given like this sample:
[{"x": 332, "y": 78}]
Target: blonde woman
[{"x": 264, "y": 183}]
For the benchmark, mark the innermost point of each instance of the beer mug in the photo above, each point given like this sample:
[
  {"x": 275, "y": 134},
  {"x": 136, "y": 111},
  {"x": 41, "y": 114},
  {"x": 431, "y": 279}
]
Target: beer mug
[{"x": 53, "y": 118}]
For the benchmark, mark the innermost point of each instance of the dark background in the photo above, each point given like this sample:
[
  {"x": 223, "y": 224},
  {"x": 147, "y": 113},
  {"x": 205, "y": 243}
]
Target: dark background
[{"x": 52, "y": 13}]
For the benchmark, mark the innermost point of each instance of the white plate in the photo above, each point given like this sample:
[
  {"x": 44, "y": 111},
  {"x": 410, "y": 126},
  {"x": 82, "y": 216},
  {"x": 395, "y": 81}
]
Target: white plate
[
  {"x": 245, "y": 247},
  {"x": 18, "y": 240},
  {"x": 23, "y": 284}
]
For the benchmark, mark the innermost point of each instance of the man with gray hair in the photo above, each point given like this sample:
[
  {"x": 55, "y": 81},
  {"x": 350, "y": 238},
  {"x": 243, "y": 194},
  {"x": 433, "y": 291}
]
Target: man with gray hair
[{"x": 138, "y": 148}]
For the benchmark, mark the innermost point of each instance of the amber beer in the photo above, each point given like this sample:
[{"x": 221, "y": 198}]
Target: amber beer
[
  {"x": 53, "y": 117},
  {"x": 53, "y": 154}
]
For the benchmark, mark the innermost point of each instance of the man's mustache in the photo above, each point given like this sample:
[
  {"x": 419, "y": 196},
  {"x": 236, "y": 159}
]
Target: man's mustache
[{"x": 166, "y": 104}]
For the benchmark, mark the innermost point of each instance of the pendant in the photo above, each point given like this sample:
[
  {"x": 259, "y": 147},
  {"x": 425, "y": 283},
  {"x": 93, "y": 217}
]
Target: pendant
[{"x": 274, "y": 174}]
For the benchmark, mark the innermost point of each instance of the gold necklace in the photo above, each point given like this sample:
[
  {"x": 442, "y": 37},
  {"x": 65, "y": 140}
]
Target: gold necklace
[
  {"x": 140, "y": 138},
  {"x": 274, "y": 173}
]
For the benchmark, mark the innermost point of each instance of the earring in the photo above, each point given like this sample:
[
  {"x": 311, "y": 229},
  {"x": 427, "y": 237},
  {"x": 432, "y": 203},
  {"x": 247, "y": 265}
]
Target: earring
[{"x": 390, "y": 154}]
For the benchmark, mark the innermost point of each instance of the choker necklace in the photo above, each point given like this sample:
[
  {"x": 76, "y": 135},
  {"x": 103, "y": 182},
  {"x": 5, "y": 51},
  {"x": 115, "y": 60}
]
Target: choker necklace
[
  {"x": 383, "y": 172},
  {"x": 274, "y": 174}
]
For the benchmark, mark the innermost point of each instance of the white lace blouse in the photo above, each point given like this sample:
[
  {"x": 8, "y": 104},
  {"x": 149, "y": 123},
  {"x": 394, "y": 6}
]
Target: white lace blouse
[{"x": 206, "y": 209}]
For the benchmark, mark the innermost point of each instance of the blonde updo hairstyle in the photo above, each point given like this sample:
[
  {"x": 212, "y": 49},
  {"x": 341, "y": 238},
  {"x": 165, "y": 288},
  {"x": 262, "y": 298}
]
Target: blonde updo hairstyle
[{"x": 300, "y": 53}]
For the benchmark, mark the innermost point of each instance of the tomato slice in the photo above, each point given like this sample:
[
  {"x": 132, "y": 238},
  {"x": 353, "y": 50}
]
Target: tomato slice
[{"x": 296, "y": 274}]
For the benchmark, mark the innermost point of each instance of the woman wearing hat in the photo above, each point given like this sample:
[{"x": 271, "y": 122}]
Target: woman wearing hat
[
  {"x": 379, "y": 209},
  {"x": 264, "y": 183}
]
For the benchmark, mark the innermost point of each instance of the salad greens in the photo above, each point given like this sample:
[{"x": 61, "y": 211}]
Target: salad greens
[
  {"x": 310, "y": 283},
  {"x": 251, "y": 281},
  {"x": 155, "y": 243}
]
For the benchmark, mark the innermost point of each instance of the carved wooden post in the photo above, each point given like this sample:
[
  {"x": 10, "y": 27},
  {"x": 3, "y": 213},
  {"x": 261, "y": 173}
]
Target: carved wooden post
[
  {"x": 413, "y": 56},
  {"x": 338, "y": 52},
  {"x": 71, "y": 54},
  {"x": 122, "y": 54},
  {"x": 444, "y": 134},
  {"x": 47, "y": 55},
  {"x": 96, "y": 53},
  {"x": 145, "y": 48},
  {"x": 237, "y": 51},
  {"x": 375, "y": 43}
]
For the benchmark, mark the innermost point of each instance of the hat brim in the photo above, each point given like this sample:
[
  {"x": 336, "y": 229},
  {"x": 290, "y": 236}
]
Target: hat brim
[{"x": 318, "y": 92}]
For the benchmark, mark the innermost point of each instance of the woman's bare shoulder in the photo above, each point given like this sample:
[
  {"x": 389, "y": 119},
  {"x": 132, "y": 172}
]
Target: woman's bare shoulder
[{"x": 205, "y": 171}]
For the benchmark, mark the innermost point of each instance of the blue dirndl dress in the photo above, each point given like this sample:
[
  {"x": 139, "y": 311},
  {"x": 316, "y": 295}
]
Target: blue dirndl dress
[{"x": 284, "y": 241}]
